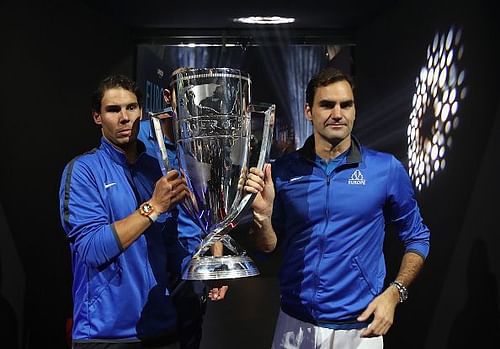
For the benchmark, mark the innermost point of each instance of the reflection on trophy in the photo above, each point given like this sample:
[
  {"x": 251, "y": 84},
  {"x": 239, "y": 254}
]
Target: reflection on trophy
[{"x": 213, "y": 128}]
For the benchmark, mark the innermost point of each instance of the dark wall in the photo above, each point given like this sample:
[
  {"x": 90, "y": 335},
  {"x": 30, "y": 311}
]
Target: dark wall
[
  {"x": 443, "y": 307},
  {"x": 53, "y": 55}
]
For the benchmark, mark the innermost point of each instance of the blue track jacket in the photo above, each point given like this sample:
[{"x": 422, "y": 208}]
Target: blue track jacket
[
  {"x": 331, "y": 231},
  {"x": 118, "y": 294}
]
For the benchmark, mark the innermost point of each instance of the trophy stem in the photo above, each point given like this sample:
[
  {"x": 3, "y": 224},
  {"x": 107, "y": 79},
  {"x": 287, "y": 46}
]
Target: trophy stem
[
  {"x": 222, "y": 236},
  {"x": 233, "y": 266}
]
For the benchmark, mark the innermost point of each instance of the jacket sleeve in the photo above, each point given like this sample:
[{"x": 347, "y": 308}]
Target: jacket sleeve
[
  {"x": 84, "y": 216},
  {"x": 188, "y": 238},
  {"x": 403, "y": 211},
  {"x": 277, "y": 219}
]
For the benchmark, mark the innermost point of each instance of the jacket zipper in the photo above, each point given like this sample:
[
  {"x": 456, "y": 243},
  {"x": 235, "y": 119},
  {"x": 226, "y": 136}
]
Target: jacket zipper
[{"x": 322, "y": 242}]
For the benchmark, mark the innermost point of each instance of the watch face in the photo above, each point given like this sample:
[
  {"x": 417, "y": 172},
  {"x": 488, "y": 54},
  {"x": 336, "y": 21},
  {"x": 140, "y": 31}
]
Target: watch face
[
  {"x": 146, "y": 208},
  {"x": 404, "y": 295}
]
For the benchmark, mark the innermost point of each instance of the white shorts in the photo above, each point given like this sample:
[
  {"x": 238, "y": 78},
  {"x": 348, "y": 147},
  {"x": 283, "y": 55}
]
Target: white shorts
[{"x": 291, "y": 333}]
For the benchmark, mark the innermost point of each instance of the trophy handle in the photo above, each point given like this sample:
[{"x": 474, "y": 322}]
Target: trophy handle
[
  {"x": 158, "y": 132},
  {"x": 231, "y": 220},
  {"x": 269, "y": 111},
  {"x": 189, "y": 204}
]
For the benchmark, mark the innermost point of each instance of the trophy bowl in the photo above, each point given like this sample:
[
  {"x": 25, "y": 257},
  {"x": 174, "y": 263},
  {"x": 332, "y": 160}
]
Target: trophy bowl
[{"x": 213, "y": 128}]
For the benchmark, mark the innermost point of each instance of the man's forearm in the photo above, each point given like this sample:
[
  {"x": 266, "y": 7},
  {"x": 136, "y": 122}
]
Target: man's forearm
[
  {"x": 263, "y": 234},
  {"x": 410, "y": 267},
  {"x": 131, "y": 227}
]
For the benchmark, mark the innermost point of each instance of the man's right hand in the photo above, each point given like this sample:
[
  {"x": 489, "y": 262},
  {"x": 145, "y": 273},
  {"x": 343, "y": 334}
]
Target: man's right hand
[
  {"x": 169, "y": 191},
  {"x": 261, "y": 183}
]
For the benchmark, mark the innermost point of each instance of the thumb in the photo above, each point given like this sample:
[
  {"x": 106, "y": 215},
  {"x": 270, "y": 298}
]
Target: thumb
[
  {"x": 267, "y": 173},
  {"x": 172, "y": 174},
  {"x": 367, "y": 313}
]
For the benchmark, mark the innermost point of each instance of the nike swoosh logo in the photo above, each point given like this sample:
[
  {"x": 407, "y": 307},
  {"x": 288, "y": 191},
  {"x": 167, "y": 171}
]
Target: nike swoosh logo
[
  {"x": 295, "y": 178},
  {"x": 109, "y": 185}
]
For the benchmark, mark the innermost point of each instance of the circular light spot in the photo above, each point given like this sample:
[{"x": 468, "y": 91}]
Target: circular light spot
[
  {"x": 458, "y": 37},
  {"x": 435, "y": 43},
  {"x": 442, "y": 61},
  {"x": 443, "y": 164},
  {"x": 461, "y": 78},
  {"x": 430, "y": 76},
  {"x": 440, "y": 139},
  {"x": 442, "y": 77},
  {"x": 453, "y": 95},
  {"x": 419, "y": 101},
  {"x": 423, "y": 74},
  {"x": 452, "y": 79},
  {"x": 434, "y": 91},
  {"x": 449, "y": 39},
  {"x": 449, "y": 59},
  {"x": 434, "y": 152},
  {"x": 463, "y": 93},
  {"x": 446, "y": 93},
  {"x": 436, "y": 166},
  {"x": 445, "y": 112},
  {"x": 447, "y": 127},
  {"x": 436, "y": 60},
  {"x": 421, "y": 167},
  {"x": 422, "y": 89},
  {"x": 437, "y": 108}
]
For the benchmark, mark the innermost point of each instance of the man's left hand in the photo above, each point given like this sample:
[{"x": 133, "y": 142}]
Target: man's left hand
[
  {"x": 382, "y": 308},
  {"x": 217, "y": 293}
]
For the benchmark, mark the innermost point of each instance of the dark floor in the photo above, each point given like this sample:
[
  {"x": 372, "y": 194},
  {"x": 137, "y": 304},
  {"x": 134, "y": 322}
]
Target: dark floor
[{"x": 246, "y": 318}]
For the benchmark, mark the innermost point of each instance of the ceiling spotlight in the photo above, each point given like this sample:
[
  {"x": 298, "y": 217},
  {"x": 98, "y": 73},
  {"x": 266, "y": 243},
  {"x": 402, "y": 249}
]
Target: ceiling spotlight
[
  {"x": 193, "y": 45},
  {"x": 264, "y": 20}
]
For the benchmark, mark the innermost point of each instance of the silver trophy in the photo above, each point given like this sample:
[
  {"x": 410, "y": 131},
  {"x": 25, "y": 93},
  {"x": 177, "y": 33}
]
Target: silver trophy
[{"x": 215, "y": 141}]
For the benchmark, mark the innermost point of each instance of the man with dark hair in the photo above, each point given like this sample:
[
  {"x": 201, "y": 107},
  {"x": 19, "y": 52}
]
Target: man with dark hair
[
  {"x": 118, "y": 212},
  {"x": 190, "y": 296},
  {"x": 326, "y": 205}
]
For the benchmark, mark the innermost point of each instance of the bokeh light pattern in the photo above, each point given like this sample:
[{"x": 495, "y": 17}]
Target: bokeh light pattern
[{"x": 439, "y": 89}]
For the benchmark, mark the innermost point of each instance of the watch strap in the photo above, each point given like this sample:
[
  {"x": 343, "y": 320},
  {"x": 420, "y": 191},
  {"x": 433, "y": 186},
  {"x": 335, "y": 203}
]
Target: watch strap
[
  {"x": 403, "y": 292},
  {"x": 153, "y": 216}
]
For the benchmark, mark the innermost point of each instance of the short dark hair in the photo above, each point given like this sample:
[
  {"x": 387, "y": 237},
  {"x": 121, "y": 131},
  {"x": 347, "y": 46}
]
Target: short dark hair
[
  {"x": 325, "y": 77},
  {"x": 114, "y": 81}
]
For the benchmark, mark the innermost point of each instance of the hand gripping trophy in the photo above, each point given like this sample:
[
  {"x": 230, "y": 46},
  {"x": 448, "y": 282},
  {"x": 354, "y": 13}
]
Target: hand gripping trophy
[{"x": 213, "y": 129}]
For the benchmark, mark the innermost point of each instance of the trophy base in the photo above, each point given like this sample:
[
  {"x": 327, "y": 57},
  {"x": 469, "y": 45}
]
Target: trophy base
[{"x": 223, "y": 267}]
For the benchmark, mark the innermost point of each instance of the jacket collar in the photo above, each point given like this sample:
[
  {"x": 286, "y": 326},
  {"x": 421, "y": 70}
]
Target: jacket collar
[
  {"x": 118, "y": 155},
  {"x": 353, "y": 155}
]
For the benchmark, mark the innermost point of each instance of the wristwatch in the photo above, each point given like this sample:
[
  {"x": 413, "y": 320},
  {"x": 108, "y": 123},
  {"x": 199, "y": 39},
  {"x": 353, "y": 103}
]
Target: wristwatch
[
  {"x": 403, "y": 292},
  {"x": 147, "y": 210}
]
